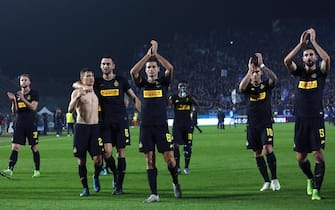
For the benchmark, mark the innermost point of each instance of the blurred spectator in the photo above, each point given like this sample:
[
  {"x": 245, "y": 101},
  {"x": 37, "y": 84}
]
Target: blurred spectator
[
  {"x": 45, "y": 123},
  {"x": 59, "y": 121},
  {"x": 221, "y": 116}
]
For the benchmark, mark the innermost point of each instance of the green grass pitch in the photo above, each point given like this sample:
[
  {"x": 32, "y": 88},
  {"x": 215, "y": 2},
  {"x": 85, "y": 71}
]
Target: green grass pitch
[{"x": 224, "y": 176}]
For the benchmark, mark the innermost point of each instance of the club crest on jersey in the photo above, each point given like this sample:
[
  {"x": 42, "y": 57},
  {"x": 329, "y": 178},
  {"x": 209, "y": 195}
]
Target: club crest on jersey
[
  {"x": 314, "y": 76},
  {"x": 158, "y": 85},
  {"x": 262, "y": 86},
  {"x": 116, "y": 84}
]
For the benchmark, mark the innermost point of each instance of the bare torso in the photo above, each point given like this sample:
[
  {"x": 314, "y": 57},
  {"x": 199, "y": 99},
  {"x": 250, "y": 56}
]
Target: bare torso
[{"x": 87, "y": 109}]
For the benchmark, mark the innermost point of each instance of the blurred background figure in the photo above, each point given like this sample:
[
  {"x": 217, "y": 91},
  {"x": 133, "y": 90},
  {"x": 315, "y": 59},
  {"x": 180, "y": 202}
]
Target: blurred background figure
[
  {"x": 59, "y": 121},
  {"x": 70, "y": 120},
  {"x": 45, "y": 123},
  {"x": 221, "y": 116}
]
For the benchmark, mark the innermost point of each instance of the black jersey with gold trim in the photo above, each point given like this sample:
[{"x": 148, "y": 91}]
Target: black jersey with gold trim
[
  {"x": 259, "y": 104},
  {"x": 182, "y": 110},
  {"x": 111, "y": 98},
  {"x": 23, "y": 112},
  {"x": 154, "y": 101},
  {"x": 308, "y": 99}
]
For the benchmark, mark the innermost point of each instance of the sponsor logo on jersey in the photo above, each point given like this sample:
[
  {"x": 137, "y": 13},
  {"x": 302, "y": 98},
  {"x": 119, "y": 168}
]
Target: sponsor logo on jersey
[
  {"x": 183, "y": 107},
  {"x": 308, "y": 84},
  {"x": 109, "y": 92},
  {"x": 260, "y": 96},
  {"x": 21, "y": 105},
  {"x": 152, "y": 93}
]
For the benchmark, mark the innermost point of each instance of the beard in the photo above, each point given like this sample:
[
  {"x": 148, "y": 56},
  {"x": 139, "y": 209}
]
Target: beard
[
  {"x": 310, "y": 63},
  {"x": 106, "y": 71}
]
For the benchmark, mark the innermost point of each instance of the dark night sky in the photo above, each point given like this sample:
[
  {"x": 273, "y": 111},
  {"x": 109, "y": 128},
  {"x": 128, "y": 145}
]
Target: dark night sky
[{"x": 54, "y": 39}]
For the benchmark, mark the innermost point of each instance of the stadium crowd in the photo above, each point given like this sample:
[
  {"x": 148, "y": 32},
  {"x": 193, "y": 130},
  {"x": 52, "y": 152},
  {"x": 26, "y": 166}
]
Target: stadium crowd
[{"x": 214, "y": 63}]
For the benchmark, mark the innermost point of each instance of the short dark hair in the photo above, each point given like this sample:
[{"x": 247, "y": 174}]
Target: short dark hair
[
  {"x": 108, "y": 57},
  {"x": 23, "y": 75},
  {"x": 153, "y": 59},
  {"x": 183, "y": 81},
  {"x": 308, "y": 48},
  {"x": 84, "y": 70}
]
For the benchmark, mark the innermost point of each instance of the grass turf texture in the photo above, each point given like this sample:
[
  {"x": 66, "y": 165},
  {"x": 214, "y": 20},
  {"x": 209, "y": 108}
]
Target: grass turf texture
[{"x": 224, "y": 176}]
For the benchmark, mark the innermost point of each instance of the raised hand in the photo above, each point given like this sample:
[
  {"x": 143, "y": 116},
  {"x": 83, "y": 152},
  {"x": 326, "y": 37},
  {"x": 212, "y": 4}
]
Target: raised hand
[
  {"x": 20, "y": 94},
  {"x": 303, "y": 38},
  {"x": 312, "y": 34},
  {"x": 251, "y": 65},
  {"x": 260, "y": 58},
  {"x": 154, "y": 46},
  {"x": 11, "y": 96},
  {"x": 149, "y": 53}
]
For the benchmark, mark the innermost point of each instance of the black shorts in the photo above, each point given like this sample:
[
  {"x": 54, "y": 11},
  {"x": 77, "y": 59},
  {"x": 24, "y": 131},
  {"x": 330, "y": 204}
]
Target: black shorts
[
  {"x": 309, "y": 135},
  {"x": 87, "y": 139},
  {"x": 23, "y": 131},
  {"x": 258, "y": 137},
  {"x": 155, "y": 135},
  {"x": 116, "y": 133},
  {"x": 182, "y": 135}
]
